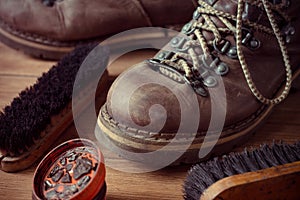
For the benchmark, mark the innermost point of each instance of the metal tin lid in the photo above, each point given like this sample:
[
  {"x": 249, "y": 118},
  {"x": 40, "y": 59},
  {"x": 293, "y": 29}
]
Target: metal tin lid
[{"x": 73, "y": 170}]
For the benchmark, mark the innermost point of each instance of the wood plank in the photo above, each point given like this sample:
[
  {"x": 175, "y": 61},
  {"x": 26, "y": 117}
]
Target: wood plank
[{"x": 16, "y": 63}]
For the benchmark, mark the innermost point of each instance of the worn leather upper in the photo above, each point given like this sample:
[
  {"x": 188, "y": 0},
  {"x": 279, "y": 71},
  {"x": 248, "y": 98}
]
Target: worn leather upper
[
  {"x": 241, "y": 106},
  {"x": 80, "y": 19}
]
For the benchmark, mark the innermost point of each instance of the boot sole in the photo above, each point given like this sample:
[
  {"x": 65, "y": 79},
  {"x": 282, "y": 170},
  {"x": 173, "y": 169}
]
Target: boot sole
[
  {"x": 132, "y": 140},
  {"x": 41, "y": 47}
]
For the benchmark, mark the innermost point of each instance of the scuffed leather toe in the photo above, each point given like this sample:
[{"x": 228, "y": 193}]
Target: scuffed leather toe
[{"x": 145, "y": 99}]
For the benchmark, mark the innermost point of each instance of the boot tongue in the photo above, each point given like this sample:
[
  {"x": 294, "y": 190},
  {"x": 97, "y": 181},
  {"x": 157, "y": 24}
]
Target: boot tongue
[
  {"x": 251, "y": 13},
  {"x": 227, "y": 6},
  {"x": 258, "y": 15}
]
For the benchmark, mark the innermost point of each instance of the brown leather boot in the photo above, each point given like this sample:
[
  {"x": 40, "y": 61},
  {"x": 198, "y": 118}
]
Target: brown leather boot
[
  {"x": 50, "y": 28},
  {"x": 237, "y": 57}
]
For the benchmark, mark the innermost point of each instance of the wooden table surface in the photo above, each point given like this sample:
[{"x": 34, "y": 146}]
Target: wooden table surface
[{"x": 17, "y": 71}]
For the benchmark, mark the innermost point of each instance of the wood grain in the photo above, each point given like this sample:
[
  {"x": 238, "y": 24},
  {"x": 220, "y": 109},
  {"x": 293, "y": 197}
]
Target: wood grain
[{"x": 18, "y": 71}]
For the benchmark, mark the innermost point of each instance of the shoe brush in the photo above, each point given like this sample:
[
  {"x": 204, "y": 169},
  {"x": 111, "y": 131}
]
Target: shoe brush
[
  {"x": 38, "y": 116},
  {"x": 269, "y": 172}
]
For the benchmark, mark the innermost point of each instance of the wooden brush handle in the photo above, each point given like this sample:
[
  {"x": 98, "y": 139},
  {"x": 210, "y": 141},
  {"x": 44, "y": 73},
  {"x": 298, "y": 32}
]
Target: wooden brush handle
[{"x": 281, "y": 182}]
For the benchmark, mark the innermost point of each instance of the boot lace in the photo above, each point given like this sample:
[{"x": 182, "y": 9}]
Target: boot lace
[{"x": 196, "y": 75}]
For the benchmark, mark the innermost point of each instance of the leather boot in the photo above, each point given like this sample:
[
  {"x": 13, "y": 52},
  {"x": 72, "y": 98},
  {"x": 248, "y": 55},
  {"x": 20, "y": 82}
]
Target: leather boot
[
  {"x": 238, "y": 58},
  {"x": 50, "y": 28}
]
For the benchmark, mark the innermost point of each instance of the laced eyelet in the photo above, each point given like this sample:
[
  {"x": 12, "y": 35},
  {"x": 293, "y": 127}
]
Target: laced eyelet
[
  {"x": 189, "y": 28},
  {"x": 210, "y": 81},
  {"x": 178, "y": 43},
  {"x": 232, "y": 53},
  {"x": 221, "y": 47},
  {"x": 164, "y": 55},
  {"x": 219, "y": 67},
  {"x": 166, "y": 71},
  {"x": 196, "y": 15},
  {"x": 197, "y": 86},
  {"x": 222, "y": 69},
  {"x": 204, "y": 76},
  {"x": 249, "y": 40}
]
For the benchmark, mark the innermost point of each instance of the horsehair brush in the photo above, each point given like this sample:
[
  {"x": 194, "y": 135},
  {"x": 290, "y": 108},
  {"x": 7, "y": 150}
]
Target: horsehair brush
[
  {"x": 270, "y": 172},
  {"x": 36, "y": 118}
]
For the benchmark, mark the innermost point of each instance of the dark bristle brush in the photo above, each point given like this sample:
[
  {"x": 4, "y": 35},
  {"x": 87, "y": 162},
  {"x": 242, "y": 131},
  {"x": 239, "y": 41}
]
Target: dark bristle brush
[
  {"x": 269, "y": 172},
  {"x": 36, "y": 118}
]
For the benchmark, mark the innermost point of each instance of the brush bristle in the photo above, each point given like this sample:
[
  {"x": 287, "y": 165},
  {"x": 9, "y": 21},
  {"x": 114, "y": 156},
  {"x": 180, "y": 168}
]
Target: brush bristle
[
  {"x": 203, "y": 175},
  {"x": 30, "y": 112}
]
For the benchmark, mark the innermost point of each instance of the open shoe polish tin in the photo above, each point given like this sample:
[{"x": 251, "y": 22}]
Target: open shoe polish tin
[{"x": 73, "y": 170}]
